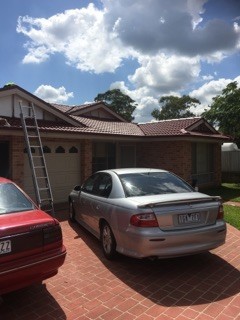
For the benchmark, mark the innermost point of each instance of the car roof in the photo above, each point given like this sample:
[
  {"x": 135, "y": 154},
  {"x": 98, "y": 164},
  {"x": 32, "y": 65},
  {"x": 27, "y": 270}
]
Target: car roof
[
  {"x": 4, "y": 180},
  {"x": 133, "y": 170}
]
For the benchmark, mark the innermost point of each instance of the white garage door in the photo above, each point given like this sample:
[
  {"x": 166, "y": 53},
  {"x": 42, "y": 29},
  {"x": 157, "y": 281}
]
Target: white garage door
[{"x": 63, "y": 166}]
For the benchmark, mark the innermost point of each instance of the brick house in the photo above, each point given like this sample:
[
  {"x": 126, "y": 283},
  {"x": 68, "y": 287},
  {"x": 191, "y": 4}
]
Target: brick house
[{"x": 79, "y": 140}]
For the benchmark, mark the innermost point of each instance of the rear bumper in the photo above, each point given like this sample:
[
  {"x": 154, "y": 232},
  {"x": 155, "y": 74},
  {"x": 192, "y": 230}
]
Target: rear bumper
[
  {"x": 15, "y": 276},
  {"x": 167, "y": 244}
]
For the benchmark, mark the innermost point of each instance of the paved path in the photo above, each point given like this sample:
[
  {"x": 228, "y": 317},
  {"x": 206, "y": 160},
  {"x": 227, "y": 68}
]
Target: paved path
[
  {"x": 232, "y": 203},
  {"x": 203, "y": 287}
]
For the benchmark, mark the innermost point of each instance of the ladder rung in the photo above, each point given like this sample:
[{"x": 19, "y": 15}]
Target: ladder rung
[
  {"x": 39, "y": 167},
  {"x": 44, "y": 189},
  {"x": 47, "y": 199},
  {"x": 26, "y": 106},
  {"x": 35, "y": 146}
]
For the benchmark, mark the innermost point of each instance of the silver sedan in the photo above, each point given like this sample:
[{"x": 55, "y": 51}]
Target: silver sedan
[{"x": 142, "y": 213}]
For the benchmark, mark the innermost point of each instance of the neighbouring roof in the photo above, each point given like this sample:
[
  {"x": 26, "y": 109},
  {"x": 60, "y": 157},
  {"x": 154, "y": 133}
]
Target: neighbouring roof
[
  {"x": 87, "y": 110},
  {"x": 230, "y": 147}
]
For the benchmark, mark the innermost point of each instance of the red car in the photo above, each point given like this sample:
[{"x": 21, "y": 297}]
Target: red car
[{"x": 31, "y": 244}]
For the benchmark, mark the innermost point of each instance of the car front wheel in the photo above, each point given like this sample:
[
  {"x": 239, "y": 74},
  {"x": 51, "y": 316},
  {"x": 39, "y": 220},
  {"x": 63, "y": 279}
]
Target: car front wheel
[
  {"x": 108, "y": 241},
  {"x": 71, "y": 212}
]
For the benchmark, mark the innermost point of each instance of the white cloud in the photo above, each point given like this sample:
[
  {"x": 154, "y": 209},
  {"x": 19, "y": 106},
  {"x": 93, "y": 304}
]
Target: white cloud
[
  {"x": 163, "y": 74},
  {"x": 144, "y": 98},
  {"x": 54, "y": 95},
  {"x": 98, "y": 40},
  {"x": 207, "y": 77},
  {"x": 168, "y": 39},
  {"x": 80, "y": 35},
  {"x": 171, "y": 26},
  {"x": 206, "y": 92}
]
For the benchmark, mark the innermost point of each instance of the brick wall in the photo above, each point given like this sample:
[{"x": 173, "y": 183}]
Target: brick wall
[
  {"x": 174, "y": 156},
  {"x": 217, "y": 164},
  {"x": 17, "y": 159},
  {"x": 86, "y": 159}
]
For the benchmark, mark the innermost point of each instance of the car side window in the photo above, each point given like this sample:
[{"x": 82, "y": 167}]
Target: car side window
[
  {"x": 13, "y": 200},
  {"x": 105, "y": 185},
  {"x": 88, "y": 185},
  {"x": 99, "y": 184}
]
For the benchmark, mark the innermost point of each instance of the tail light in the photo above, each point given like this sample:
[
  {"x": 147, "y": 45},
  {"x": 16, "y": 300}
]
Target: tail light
[
  {"x": 220, "y": 212},
  {"x": 144, "y": 220},
  {"x": 52, "y": 234}
]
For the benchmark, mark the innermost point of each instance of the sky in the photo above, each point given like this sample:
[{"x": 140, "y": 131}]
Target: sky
[{"x": 69, "y": 51}]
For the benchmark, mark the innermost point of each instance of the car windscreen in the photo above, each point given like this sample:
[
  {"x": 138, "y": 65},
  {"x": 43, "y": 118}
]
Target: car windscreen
[
  {"x": 13, "y": 200},
  {"x": 152, "y": 183}
]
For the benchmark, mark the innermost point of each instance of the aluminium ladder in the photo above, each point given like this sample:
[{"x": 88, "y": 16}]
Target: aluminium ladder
[{"x": 36, "y": 158}]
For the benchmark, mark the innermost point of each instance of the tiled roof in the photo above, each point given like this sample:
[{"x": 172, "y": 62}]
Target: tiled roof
[
  {"x": 85, "y": 110},
  {"x": 169, "y": 128},
  {"x": 195, "y": 126},
  {"x": 110, "y": 127},
  {"x": 65, "y": 108},
  {"x": 72, "y": 109},
  {"x": 86, "y": 125},
  {"x": 90, "y": 126}
]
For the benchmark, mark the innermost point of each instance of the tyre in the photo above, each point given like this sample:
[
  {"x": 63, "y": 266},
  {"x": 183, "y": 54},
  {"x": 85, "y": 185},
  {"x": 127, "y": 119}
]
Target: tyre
[
  {"x": 108, "y": 242},
  {"x": 71, "y": 211}
]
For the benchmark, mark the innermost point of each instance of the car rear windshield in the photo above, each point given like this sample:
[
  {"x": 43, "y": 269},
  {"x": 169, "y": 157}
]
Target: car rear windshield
[
  {"x": 13, "y": 200},
  {"x": 152, "y": 183}
]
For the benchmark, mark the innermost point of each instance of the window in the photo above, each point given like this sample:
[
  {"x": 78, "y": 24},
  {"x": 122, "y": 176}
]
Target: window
[
  {"x": 104, "y": 156},
  {"x": 46, "y": 149},
  {"x": 202, "y": 162},
  {"x": 127, "y": 156},
  {"x": 32, "y": 150},
  {"x": 99, "y": 184},
  {"x": 60, "y": 149},
  {"x": 12, "y": 199},
  {"x": 152, "y": 183},
  {"x": 73, "y": 150}
]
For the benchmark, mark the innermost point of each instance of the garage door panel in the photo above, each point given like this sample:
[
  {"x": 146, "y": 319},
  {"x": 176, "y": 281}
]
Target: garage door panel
[{"x": 63, "y": 171}]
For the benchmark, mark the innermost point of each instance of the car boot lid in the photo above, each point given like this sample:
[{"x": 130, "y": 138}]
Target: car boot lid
[
  {"x": 24, "y": 222},
  {"x": 172, "y": 199}
]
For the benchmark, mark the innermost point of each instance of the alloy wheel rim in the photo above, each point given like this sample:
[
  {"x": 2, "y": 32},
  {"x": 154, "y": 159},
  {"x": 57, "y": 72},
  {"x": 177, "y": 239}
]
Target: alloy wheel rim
[{"x": 107, "y": 239}]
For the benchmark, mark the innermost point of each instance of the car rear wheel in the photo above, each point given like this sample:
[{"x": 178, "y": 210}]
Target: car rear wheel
[
  {"x": 108, "y": 242},
  {"x": 71, "y": 212}
]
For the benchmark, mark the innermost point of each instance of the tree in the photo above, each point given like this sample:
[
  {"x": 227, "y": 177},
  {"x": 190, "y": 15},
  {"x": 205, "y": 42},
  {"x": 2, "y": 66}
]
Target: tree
[
  {"x": 224, "y": 112},
  {"x": 175, "y": 107},
  {"x": 118, "y": 102}
]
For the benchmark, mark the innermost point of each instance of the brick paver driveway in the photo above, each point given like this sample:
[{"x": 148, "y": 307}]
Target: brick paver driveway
[{"x": 203, "y": 287}]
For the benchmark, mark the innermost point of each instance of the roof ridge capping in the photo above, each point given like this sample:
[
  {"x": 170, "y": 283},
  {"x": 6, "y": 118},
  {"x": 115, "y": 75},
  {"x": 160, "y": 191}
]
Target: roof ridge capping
[{"x": 168, "y": 120}]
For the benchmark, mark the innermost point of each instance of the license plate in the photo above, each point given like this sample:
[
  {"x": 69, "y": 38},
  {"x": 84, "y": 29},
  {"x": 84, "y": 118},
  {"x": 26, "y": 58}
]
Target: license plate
[
  {"x": 5, "y": 246},
  {"x": 188, "y": 218}
]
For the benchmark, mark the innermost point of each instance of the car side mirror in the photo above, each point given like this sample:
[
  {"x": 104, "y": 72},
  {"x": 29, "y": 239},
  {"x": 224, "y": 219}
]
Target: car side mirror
[
  {"x": 194, "y": 184},
  {"x": 77, "y": 188}
]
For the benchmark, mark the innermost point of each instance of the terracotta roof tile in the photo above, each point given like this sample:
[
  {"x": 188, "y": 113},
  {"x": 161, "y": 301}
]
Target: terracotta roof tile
[
  {"x": 168, "y": 127},
  {"x": 71, "y": 109},
  {"x": 110, "y": 127}
]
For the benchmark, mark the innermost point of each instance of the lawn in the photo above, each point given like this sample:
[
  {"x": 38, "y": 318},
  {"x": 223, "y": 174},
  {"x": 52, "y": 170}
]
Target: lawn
[
  {"x": 232, "y": 215},
  {"x": 229, "y": 192}
]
